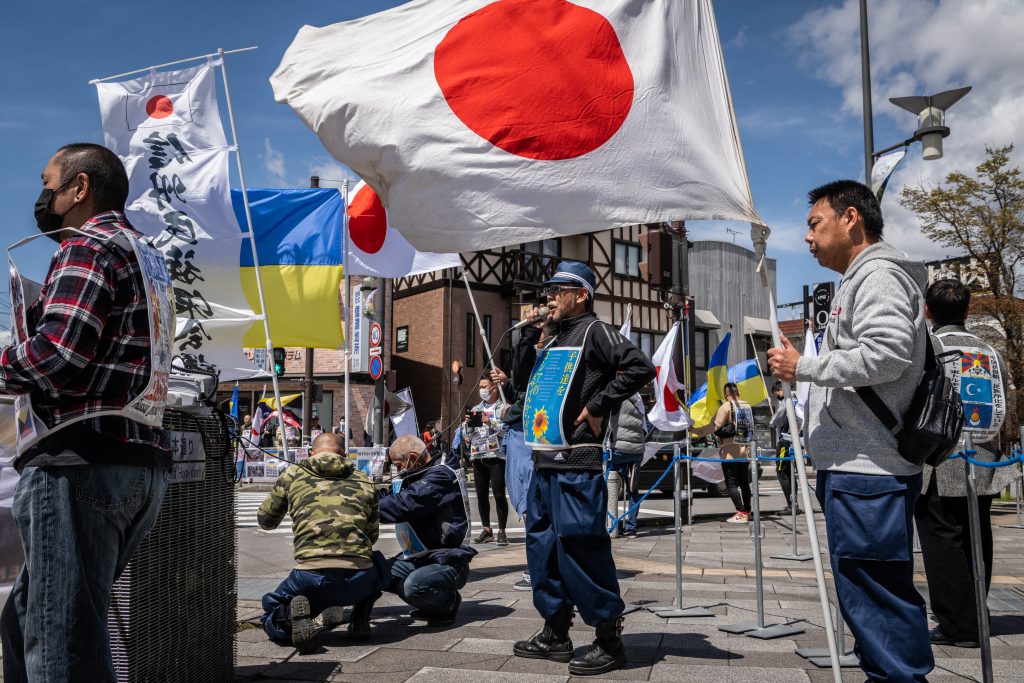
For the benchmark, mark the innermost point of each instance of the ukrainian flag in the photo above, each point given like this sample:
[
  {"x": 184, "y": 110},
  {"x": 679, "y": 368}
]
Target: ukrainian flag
[
  {"x": 748, "y": 378},
  {"x": 298, "y": 241},
  {"x": 705, "y": 401}
]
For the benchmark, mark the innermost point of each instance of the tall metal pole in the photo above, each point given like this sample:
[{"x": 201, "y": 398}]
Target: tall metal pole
[
  {"x": 252, "y": 245},
  {"x": 345, "y": 308},
  {"x": 865, "y": 75},
  {"x": 307, "y": 384},
  {"x": 978, "y": 563},
  {"x": 380, "y": 299}
]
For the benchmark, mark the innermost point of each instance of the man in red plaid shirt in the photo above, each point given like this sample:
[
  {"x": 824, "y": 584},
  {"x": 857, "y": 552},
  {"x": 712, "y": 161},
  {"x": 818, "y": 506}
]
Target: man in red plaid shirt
[{"x": 91, "y": 488}]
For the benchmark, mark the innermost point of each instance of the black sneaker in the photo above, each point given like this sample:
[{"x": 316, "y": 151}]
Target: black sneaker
[
  {"x": 939, "y": 637},
  {"x": 485, "y": 537},
  {"x": 629, "y": 533},
  {"x": 304, "y": 631},
  {"x": 501, "y": 539}
]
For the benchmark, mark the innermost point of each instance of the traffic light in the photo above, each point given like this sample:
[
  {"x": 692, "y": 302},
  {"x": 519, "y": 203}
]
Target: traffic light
[
  {"x": 656, "y": 257},
  {"x": 278, "y": 361}
]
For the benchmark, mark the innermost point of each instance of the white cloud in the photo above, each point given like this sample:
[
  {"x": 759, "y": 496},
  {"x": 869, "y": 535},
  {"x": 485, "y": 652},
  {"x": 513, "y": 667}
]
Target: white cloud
[
  {"x": 739, "y": 41},
  {"x": 920, "y": 47},
  {"x": 273, "y": 163}
]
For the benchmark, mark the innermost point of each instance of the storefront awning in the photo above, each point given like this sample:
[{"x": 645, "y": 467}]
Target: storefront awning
[
  {"x": 705, "y": 319},
  {"x": 756, "y": 326}
]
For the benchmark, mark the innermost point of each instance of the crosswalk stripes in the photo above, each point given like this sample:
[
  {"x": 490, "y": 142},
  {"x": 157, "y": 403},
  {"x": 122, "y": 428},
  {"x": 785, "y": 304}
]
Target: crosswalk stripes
[{"x": 247, "y": 503}]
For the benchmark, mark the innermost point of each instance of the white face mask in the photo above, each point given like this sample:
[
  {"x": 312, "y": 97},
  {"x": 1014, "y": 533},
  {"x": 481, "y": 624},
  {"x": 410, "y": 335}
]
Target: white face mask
[{"x": 485, "y": 395}]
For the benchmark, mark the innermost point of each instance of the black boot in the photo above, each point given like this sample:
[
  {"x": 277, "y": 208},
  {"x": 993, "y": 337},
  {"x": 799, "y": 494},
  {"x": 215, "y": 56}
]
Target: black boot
[
  {"x": 552, "y": 642},
  {"x": 608, "y": 652},
  {"x": 359, "y": 622}
]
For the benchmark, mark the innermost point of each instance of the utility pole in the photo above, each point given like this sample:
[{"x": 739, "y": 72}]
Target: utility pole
[
  {"x": 865, "y": 76},
  {"x": 307, "y": 382}
]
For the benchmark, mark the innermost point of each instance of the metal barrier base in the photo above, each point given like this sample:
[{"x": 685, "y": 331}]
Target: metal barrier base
[
  {"x": 1011, "y": 526},
  {"x": 674, "y": 612},
  {"x": 850, "y": 661},
  {"x": 630, "y": 608},
  {"x": 766, "y": 632},
  {"x": 791, "y": 556}
]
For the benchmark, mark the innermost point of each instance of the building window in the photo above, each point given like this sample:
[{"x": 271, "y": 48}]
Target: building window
[
  {"x": 760, "y": 346},
  {"x": 402, "y": 339},
  {"x": 647, "y": 342},
  {"x": 470, "y": 340},
  {"x": 544, "y": 247},
  {"x": 701, "y": 341},
  {"x": 627, "y": 259}
]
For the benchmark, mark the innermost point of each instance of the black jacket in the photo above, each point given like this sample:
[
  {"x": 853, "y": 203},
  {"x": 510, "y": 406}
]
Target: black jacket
[
  {"x": 611, "y": 370},
  {"x": 524, "y": 356},
  {"x": 430, "y": 500}
]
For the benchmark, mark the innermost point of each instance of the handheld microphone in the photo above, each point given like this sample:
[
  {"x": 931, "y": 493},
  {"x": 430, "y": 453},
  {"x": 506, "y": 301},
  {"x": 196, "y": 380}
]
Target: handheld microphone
[{"x": 542, "y": 314}]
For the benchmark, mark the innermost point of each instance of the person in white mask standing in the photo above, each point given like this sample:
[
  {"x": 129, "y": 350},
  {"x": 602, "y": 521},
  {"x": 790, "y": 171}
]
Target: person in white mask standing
[{"x": 483, "y": 435}]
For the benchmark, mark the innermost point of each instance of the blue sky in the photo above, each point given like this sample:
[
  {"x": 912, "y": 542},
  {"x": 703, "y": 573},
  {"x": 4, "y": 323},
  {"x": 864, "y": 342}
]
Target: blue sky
[{"x": 794, "y": 70}]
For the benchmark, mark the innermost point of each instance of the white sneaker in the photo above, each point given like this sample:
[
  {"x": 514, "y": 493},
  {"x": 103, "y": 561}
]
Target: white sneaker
[
  {"x": 524, "y": 584},
  {"x": 739, "y": 518}
]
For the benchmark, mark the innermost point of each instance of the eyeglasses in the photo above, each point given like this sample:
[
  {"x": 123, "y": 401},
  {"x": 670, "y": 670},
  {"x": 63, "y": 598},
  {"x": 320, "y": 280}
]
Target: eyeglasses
[{"x": 555, "y": 290}]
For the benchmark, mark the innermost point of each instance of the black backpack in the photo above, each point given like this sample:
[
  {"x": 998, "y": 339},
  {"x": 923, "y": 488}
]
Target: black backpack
[{"x": 931, "y": 428}]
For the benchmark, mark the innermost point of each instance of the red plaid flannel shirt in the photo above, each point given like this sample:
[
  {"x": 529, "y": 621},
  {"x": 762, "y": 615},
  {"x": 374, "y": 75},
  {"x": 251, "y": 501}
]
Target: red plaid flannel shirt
[{"x": 88, "y": 348}]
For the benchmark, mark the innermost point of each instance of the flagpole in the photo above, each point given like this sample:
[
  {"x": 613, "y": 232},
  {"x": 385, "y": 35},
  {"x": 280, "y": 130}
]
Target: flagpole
[
  {"x": 219, "y": 53},
  {"x": 480, "y": 328},
  {"x": 255, "y": 254},
  {"x": 345, "y": 304},
  {"x": 757, "y": 362},
  {"x": 759, "y": 236}
]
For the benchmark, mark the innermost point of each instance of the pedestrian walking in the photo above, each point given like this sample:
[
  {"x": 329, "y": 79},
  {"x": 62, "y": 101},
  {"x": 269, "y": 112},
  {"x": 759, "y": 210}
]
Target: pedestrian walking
[
  {"x": 568, "y": 549},
  {"x": 875, "y": 337},
  {"x": 733, "y": 419}
]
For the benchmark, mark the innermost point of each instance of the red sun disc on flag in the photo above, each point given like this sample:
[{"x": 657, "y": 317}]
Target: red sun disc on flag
[
  {"x": 541, "y": 79},
  {"x": 367, "y": 221},
  {"x": 159, "y": 107}
]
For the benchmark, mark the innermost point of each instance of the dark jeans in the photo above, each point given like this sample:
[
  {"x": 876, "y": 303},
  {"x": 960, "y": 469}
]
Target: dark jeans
[
  {"x": 945, "y": 532},
  {"x": 568, "y": 549},
  {"x": 324, "y": 588},
  {"x": 628, "y": 467},
  {"x": 431, "y": 588},
  {"x": 737, "y": 479},
  {"x": 79, "y": 527},
  {"x": 870, "y": 540},
  {"x": 489, "y": 477}
]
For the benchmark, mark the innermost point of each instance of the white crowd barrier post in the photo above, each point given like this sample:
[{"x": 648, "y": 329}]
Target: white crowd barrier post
[
  {"x": 678, "y": 610},
  {"x": 759, "y": 629}
]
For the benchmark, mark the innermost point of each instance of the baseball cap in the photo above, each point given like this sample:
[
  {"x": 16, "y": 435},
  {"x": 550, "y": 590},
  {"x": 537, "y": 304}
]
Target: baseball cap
[{"x": 574, "y": 274}]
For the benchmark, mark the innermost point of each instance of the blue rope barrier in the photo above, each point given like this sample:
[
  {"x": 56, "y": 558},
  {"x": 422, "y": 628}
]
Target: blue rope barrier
[
  {"x": 636, "y": 506},
  {"x": 966, "y": 455}
]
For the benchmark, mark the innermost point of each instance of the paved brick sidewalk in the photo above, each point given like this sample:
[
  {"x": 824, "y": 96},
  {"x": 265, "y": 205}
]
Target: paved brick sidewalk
[{"x": 718, "y": 574}]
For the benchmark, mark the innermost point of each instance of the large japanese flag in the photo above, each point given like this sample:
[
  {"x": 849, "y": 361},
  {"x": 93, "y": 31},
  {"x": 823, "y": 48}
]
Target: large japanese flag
[
  {"x": 376, "y": 249},
  {"x": 483, "y": 123}
]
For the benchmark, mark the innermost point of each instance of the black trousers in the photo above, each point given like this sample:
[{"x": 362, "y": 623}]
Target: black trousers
[
  {"x": 945, "y": 532},
  {"x": 489, "y": 477},
  {"x": 784, "y": 471},
  {"x": 737, "y": 479}
]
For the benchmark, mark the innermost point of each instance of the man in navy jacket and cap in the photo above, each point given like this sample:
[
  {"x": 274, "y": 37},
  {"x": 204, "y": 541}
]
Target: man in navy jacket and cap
[{"x": 567, "y": 545}]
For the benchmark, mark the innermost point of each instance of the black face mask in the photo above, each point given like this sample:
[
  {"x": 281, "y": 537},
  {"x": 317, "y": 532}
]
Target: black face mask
[{"x": 46, "y": 220}]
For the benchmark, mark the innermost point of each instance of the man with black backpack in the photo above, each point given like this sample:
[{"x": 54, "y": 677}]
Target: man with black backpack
[{"x": 875, "y": 339}]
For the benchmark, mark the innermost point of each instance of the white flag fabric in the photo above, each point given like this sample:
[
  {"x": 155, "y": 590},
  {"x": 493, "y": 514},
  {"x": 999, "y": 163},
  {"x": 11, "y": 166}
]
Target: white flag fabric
[
  {"x": 166, "y": 128},
  {"x": 803, "y": 389},
  {"x": 627, "y": 327},
  {"x": 485, "y": 123},
  {"x": 376, "y": 249},
  {"x": 669, "y": 413},
  {"x": 404, "y": 422}
]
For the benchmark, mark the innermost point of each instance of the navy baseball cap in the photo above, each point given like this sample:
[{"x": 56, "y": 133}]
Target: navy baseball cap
[{"x": 574, "y": 274}]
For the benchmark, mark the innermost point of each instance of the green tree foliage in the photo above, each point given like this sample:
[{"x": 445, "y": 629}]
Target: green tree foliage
[{"x": 983, "y": 215}]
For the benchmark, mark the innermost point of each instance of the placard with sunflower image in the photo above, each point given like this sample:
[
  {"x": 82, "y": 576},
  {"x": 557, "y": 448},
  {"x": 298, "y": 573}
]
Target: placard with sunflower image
[{"x": 545, "y": 396}]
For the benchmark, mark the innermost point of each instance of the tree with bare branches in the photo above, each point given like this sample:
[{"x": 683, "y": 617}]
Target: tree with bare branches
[{"x": 983, "y": 215}]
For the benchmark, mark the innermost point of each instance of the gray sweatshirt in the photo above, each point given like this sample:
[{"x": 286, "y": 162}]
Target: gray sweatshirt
[{"x": 875, "y": 337}]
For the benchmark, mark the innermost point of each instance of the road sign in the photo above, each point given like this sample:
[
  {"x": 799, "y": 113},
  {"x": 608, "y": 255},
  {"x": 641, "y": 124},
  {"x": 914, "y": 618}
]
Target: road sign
[
  {"x": 375, "y": 334},
  {"x": 376, "y": 367}
]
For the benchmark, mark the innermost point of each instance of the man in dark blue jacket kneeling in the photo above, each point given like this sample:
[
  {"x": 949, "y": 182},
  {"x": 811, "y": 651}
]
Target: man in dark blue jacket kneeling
[{"x": 429, "y": 507}]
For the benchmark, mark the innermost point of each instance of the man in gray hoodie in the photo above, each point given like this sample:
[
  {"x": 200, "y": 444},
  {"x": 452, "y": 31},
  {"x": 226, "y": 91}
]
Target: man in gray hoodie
[{"x": 875, "y": 337}]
